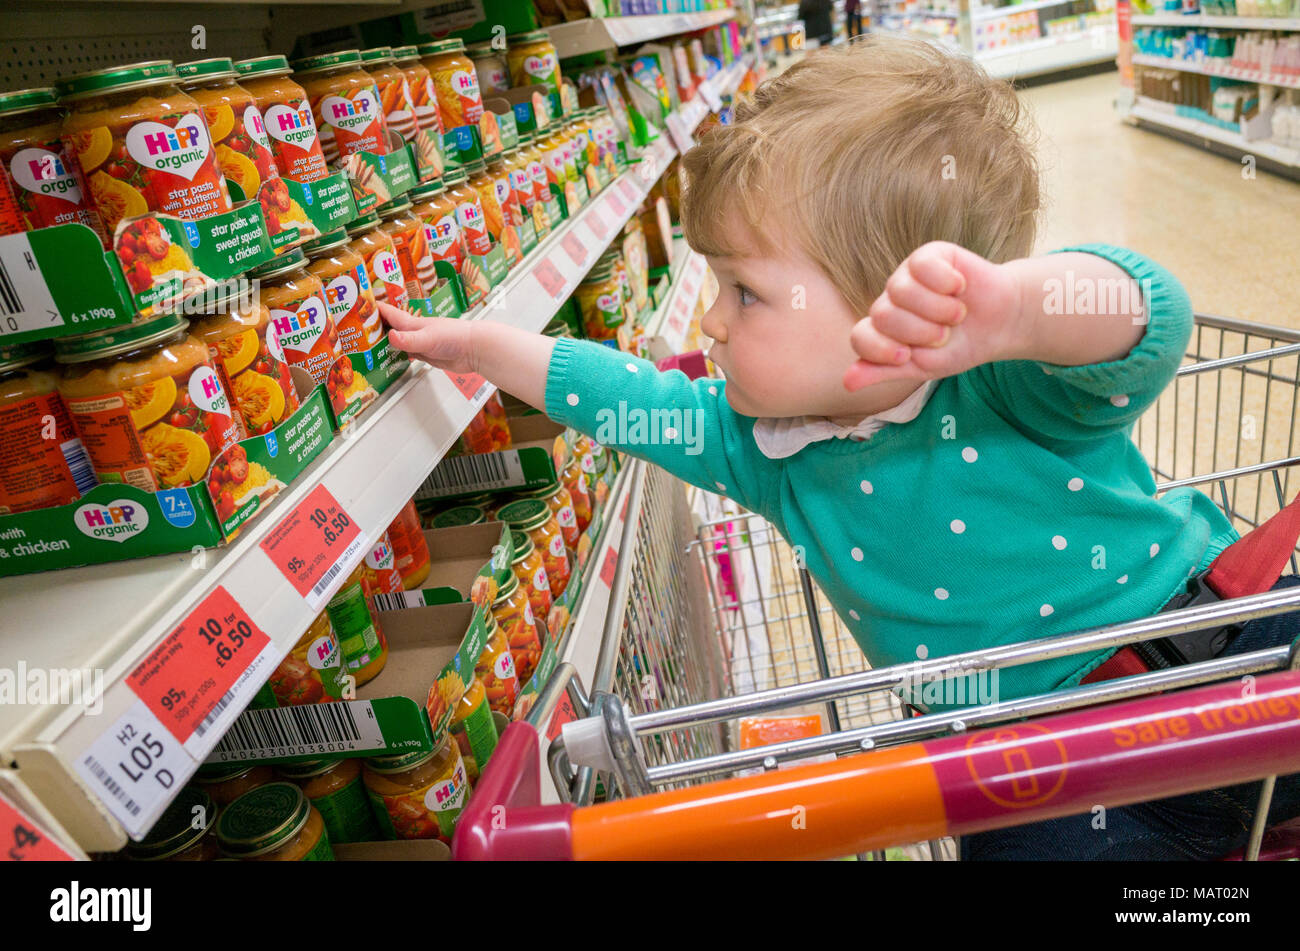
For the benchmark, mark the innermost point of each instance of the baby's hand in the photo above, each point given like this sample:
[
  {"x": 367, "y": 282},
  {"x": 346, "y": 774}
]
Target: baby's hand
[
  {"x": 441, "y": 341},
  {"x": 944, "y": 310}
]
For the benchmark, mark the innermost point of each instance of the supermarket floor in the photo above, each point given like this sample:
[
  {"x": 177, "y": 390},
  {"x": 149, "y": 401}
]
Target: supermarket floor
[{"x": 1230, "y": 240}]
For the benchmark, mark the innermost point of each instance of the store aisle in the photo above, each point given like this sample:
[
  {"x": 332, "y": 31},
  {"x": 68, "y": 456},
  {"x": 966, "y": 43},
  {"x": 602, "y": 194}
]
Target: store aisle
[{"x": 1230, "y": 240}]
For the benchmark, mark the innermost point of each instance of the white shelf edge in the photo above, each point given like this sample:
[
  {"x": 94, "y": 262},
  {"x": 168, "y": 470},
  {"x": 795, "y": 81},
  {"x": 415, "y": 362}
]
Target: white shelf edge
[
  {"x": 1187, "y": 66},
  {"x": 1281, "y": 154},
  {"x": 1047, "y": 42},
  {"x": 1223, "y": 22},
  {"x": 986, "y": 13},
  {"x": 601, "y": 33}
]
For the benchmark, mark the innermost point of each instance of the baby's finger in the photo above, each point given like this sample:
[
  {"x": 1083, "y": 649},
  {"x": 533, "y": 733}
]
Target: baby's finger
[
  {"x": 863, "y": 374},
  {"x": 934, "y": 266},
  {"x": 873, "y": 346},
  {"x": 905, "y": 291},
  {"x": 908, "y": 328}
]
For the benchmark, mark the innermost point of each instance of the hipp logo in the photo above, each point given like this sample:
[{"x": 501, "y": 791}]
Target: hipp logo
[
  {"x": 323, "y": 653},
  {"x": 291, "y": 124},
  {"x": 448, "y": 794},
  {"x": 181, "y": 137},
  {"x": 206, "y": 391},
  {"x": 180, "y": 150},
  {"x": 387, "y": 268},
  {"x": 50, "y": 166},
  {"x": 289, "y": 323},
  {"x": 298, "y": 330},
  {"x": 380, "y": 557},
  {"x": 288, "y": 118},
  {"x": 115, "y": 521}
]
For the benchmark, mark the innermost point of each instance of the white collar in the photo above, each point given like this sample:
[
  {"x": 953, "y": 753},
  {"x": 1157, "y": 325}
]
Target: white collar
[{"x": 781, "y": 438}]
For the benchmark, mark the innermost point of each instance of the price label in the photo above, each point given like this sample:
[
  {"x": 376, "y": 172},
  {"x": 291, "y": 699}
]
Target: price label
[
  {"x": 136, "y": 767},
  {"x": 647, "y": 169},
  {"x": 711, "y": 96},
  {"x": 549, "y": 276},
  {"x": 469, "y": 384},
  {"x": 628, "y": 189},
  {"x": 574, "y": 248},
  {"x": 680, "y": 133},
  {"x": 616, "y": 205},
  {"x": 609, "y": 567},
  {"x": 187, "y": 680},
  {"x": 596, "y": 223},
  {"x": 314, "y": 544},
  {"x": 564, "y": 713},
  {"x": 24, "y": 841}
]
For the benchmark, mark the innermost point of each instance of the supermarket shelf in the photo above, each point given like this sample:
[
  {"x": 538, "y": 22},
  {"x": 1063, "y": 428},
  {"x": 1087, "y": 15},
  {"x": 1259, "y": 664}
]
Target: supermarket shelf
[
  {"x": 987, "y": 13},
  {"x": 602, "y": 33},
  {"x": 1206, "y": 19},
  {"x": 108, "y": 617},
  {"x": 668, "y": 325},
  {"x": 1226, "y": 72},
  {"x": 1052, "y": 53},
  {"x": 1285, "y": 158}
]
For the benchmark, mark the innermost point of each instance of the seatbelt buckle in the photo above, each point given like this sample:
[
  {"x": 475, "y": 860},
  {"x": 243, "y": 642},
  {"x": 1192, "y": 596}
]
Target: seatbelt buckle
[{"x": 1195, "y": 645}]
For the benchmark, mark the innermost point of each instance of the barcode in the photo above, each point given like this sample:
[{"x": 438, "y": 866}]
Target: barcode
[
  {"x": 120, "y": 794},
  {"x": 266, "y": 731},
  {"x": 211, "y": 718},
  {"x": 493, "y": 470},
  {"x": 10, "y": 303},
  {"x": 74, "y": 454},
  {"x": 398, "y": 601},
  {"x": 319, "y": 588}
]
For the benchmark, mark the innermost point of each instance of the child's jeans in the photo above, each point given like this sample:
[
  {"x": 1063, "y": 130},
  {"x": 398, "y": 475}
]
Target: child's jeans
[{"x": 1204, "y": 825}]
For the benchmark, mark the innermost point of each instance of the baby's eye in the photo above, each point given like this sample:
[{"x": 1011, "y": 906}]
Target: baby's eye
[{"x": 747, "y": 296}]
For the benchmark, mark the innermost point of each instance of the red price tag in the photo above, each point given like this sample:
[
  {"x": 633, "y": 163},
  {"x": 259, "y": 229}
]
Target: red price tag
[
  {"x": 468, "y": 383},
  {"x": 314, "y": 544},
  {"x": 186, "y": 676},
  {"x": 629, "y": 190},
  {"x": 574, "y": 247},
  {"x": 596, "y": 223},
  {"x": 614, "y": 203},
  {"x": 610, "y": 566},
  {"x": 24, "y": 841},
  {"x": 564, "y": 713},
  {"x": 549, "y": 276}
]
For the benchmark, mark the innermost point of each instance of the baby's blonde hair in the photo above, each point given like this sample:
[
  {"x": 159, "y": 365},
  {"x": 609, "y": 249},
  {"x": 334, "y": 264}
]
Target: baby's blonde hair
[{"x": 862, "y": 154}]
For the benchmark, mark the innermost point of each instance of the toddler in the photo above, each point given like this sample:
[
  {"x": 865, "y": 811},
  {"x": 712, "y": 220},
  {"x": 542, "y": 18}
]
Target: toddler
[{"x": 937, "y": 418}]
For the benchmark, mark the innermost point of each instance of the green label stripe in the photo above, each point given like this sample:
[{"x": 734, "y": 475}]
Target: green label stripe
[{"x": 327, "y": 202}]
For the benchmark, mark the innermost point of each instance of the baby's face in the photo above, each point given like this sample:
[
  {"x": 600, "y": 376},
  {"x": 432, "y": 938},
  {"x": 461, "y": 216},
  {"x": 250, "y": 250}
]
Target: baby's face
[{"x": 782, "y": 339}]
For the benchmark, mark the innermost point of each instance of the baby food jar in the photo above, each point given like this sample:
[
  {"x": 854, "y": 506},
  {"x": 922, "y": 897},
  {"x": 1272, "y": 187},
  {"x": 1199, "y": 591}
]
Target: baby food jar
[
  {"x": 383, "y": 270},
  {"x": 36, "y": 471},
  {"x": 301, "y": 332},
  {"x": 514, "y": 615},
  {"x": 600, "y": 299},
  {"x": 418, "y": 795},
  {"x": 286, "y": 116},
  {"x": 148, "y": 403},
  {"x": 351, "y": 302},
  {"x": 394, "y": 91},
  {"x": 336, "y": 790},
  {"x": 436, "y": 209},
  {"x": 534, "y": 517},
  {"x": 428, "y": 140},
  {"x": 499, "y": 170},
  {"x": 344, "y": 103},
  {"x": 274, "y": 823},
  {"x": 520, "y": 184},
  {"x": 489, "y": 430},
  {"x": 183, "y": 833},
  {"x": 558, "y": 500},
  {"x": 454, "y": 83},
  {"x": 493, "y": 221},
  {"x": 489, "y": 68},
  {"x": 459, "y": 515},
  {"x": 138, "y": 144},
  {"x": 552, "y": 148},
  {"x": 38, "y": 186},
  {"x": 407, "y": 234},
  {"x": 474, "y": 235},
  {"x": 312, "y": 672},
  {"x": 361, "y": 639},
  {"x": 381, "y": 574},
  {"x": 528, "y": 568},
  {"x": 410, "y": 547},
  {"x": 496, "y": 668},
  {"x": 576, "y": 483},
  {"x": 473, "y": 728},
  {"x": 532, "y": 60},
  {"x": 535, "y": 163},
  {"x": 258, "y": 378},
  {"x": 226, "y": 782}
]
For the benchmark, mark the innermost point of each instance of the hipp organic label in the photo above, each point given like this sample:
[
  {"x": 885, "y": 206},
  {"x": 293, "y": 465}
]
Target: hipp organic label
[
  {"x": 470, "y": 218},
  {"x": 448, "y": 795},
  {"x": 441, "y": 237},
  {"x": 298, "y": 330},
  {"x": 386, "y": 268},
  {"x": 44, "y": 173},
  {"x": 556, "y": 546},
  {"x": 540, "y": 581},
  {"x": 179, "y": 150},
  {"x": 504, "y": 666},
  {"x": 115, "y": 522},
  {"x": 540, "y": 67},
  {"x": 380, "y": 558},
  {"x": 351, "y": 115},
  {"x": 255, "y": 128},
  {"x": 292, "y": 124},
  {"x": 207, "y": 392},
  {"x": 341, "y": 296},
  {"x": 465, "y": 84},
  {"x": 323, "y": 653}
]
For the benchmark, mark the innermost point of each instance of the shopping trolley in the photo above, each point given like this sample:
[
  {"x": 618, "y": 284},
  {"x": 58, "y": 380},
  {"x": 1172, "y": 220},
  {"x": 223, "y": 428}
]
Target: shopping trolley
[{"x": 657, "y": 730}]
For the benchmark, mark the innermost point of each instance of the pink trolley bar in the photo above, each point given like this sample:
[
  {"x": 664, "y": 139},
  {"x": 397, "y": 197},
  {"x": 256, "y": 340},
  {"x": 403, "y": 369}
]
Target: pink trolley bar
[{"x": 910, "y": 779}]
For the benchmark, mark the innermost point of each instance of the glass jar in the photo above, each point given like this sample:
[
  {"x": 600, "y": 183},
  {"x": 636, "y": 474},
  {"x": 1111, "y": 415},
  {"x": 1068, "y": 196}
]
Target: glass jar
[
  {"x": 256, "y": 377},
  {"x": 459, "y": 515},
  {"x": 274, "y": 823},
  {"x": 428, "y": 141},
  {"x": 287, "y": 117},
  {"x": 535, "y": 162},
  {"x": 411, "y": 547},
  {"x": 344, "y": 103},
  {"x": 579, "y": 492},
  {"x": 520, "y": 184},
  {"x": 489, "y": 68},
  {"x": 226, "y": 782},
  {"x": 558, "y": 500},
  {"x": 600, "y": 300},
  {"x": 499, "y": 169},
  {"x": 569, "y": 145},
  {"x": 313, "y": 671},
  {"x": 534, "y": 517},
  {"x": 37, "y": 472},
  {"x": 361, "y": 639},
  {"x": 301, "y": 333},
  {"x": 394, "y": 91},
  {"x": 514, "y": 615},
  {"x": 454, "y": 82},
  {"x": 124, "y": 162},
  {"x": 38, "y": 186},
  {"x": 552, "y": 148},
  {"x": 528, "y": 568},
  {"x": 473, "y": 234},
  {"x": 336, "y": 790},
  {"x": 407, "y": 234},
  {"x": 418, "y": 795},
  {"x": 488, "y": 430},
  {"x": 493, "y": 215},
  {"x": 533, "y": 61},
  {"x": 376, "y": 248},
  {"x": 496, "y": 668},
  {"x": 381, "y": 575},
  {"x": 148, "y": 404},
  {"x": 175, "y": 837},
  {"x": 436, "y": 209},
  {"x": 473, "y": 728},
  {"x": 351, "y": 302}
]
